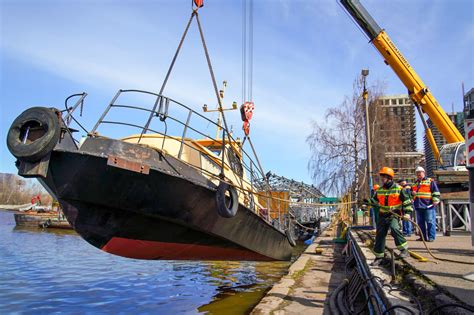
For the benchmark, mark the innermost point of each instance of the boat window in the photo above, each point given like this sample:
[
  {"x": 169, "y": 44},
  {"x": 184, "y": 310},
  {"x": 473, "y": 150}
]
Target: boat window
[{"x": 216, "y": 150}]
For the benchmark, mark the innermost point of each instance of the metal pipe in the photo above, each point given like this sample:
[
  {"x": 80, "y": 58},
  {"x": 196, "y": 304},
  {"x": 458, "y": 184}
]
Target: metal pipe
[
  {"x": 368, "y": 140},
  {"x": 106, "y": 111},
  {"x": 79, "y": 101},
  {"x": 184, "y": 134}
]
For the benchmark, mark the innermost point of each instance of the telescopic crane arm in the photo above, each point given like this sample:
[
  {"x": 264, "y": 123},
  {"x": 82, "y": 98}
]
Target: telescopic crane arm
[{"x": 418, "y": 91}]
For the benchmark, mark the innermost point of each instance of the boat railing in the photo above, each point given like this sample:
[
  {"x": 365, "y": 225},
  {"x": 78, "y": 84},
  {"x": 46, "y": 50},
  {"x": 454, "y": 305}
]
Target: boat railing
[{"x": 168, "y": 110}]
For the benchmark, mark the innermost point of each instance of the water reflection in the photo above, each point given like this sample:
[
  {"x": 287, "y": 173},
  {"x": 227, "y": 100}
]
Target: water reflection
[{"x": 56, "y": 271}]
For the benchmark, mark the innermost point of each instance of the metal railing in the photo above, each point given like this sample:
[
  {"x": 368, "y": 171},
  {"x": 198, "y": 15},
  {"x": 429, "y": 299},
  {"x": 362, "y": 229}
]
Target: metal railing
[
  {"x": 454, "y": 215},
  {"x": 169, "y": 110}
]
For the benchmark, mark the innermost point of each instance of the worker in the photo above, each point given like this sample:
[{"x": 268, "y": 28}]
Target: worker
[
  {"x": 426, "y": 197},
  {"x": 391, "y": 198},
  {"x": 407, "y": 227}
]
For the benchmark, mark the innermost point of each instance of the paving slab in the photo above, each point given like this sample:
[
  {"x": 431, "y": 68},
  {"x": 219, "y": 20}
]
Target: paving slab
[
  {"x": 449, "y": 276},
  {"x": 310, "y": 279}
]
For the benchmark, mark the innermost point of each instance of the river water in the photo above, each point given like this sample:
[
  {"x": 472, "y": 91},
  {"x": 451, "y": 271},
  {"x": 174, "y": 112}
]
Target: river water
[{"x": 54, "y": 271}]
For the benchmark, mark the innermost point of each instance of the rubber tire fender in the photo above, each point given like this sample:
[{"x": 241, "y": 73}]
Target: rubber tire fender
[
  {"x": 222, "y": 209},
  {"x": 290, "y": 238},
  {"x": 34, "y": 151}
]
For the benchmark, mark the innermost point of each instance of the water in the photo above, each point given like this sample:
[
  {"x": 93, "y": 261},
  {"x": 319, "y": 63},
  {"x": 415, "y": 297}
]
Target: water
[{"x": 57, "y": 271}]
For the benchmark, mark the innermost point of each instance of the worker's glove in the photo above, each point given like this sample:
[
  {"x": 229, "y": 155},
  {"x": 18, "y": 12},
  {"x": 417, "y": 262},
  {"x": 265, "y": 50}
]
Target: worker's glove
[{"x": 406, "y": 217}]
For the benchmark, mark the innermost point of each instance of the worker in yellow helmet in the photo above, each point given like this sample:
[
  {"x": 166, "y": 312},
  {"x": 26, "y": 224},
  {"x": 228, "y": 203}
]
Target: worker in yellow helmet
[{"x": 391, "y": 198}]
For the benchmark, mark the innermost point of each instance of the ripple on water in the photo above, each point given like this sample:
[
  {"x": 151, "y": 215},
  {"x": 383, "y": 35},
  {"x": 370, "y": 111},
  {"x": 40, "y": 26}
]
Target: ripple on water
[{"x": 48, "y": 272}]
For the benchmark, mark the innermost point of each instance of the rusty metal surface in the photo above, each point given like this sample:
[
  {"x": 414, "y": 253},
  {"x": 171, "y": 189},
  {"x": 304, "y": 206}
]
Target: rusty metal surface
[
  {"x": 128, "y": 165},
  {"x": 34, "y": 169},
  {"x": 175, "y": 201}
]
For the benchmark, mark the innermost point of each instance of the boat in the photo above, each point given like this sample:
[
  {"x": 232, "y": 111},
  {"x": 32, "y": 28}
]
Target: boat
[
  {"x": 33, "y": 217},
  {"x": 41, "y": 216},
  {"x": 151, "y": 195},
  {"x": 168, "y": 190}
]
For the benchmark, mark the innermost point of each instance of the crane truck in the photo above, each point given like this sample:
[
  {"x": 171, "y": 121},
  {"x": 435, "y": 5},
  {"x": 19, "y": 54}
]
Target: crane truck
[{"x": 452, "y": 174}]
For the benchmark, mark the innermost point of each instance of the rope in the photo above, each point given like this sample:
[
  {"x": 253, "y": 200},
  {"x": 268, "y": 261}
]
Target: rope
[
  {"x": 426, "y": 245},
  {"x": 228, "y": 182}
]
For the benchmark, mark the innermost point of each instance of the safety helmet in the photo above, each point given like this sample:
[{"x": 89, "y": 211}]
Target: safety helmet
[
  {"x": 419, "y": 169},
  {"x": 376, "y": 186},
  {"x": 387, "y": 171}
]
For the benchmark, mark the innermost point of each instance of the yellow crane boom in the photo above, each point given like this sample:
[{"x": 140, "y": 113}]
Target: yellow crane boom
[{"x": 417, "y": 90}]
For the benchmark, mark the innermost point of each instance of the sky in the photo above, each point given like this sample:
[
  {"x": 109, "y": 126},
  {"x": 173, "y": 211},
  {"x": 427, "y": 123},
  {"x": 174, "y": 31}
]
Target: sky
[{"x": 307, "y": 54}]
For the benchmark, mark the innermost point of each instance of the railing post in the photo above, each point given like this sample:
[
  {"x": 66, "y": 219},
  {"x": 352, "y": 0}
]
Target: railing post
[
  {"x": 450, "y": 217},
  {"x": 443, "y": 217},
  {"x": 466, "y": 217},
  {"x": 106, "y": 111},
  {"x": 79, "y": 101},
  {"x": 184, "y": 134}
]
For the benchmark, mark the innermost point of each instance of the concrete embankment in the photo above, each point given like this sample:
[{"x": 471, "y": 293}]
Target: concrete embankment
[{"x": 316, "y": 273}]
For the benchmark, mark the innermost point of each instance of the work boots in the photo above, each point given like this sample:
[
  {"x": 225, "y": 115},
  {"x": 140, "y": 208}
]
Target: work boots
[
  {"x": 404, "y": 253},
  {"x": 382, "y": 261}
]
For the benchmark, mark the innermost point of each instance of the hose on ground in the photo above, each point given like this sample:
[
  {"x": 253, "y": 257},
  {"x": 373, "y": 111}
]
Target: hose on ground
[
  {"x": 333, "y": 305},
  {"x": 426, "y": 245}
]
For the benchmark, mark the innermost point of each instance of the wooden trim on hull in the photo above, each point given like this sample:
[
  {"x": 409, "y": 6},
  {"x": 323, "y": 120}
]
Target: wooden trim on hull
[{"x": 140, "y": 249}]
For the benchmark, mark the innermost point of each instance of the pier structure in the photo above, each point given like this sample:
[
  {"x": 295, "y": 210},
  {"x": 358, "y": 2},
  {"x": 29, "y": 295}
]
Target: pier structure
[{"x": 335, "y": 275}]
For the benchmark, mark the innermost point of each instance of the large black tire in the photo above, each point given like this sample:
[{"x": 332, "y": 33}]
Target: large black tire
[
  {"x": 33, "y": 134},
  {"x": 227, "y": 206}
]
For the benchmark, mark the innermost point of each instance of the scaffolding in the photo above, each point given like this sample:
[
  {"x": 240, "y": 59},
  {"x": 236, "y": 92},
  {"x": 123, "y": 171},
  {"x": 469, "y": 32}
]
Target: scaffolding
[{"x": 300, "y": 195}]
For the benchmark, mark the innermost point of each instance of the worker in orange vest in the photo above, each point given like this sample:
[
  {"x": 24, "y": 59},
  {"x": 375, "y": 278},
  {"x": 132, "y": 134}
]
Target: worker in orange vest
[
  {"x": 391, "y": 198},
  {"x": 426, "y": 197}
]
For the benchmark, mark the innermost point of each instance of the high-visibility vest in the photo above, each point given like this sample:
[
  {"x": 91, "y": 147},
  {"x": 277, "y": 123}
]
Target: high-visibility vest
[
  {"x": 389, "y": 199},
  {"x": 422, "y": 189}
]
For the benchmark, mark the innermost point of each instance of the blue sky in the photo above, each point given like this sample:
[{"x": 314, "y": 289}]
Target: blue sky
[{"x": 306, "y": 57}]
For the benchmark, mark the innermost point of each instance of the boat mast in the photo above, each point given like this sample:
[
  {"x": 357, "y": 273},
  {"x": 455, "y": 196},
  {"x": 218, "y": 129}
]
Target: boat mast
[{"x": 220, "y": 109}]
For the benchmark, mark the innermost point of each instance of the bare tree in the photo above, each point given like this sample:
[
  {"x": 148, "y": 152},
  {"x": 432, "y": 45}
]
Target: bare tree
[
  {"x": 16, "y": 190},
  {"x": 337, "y": 145}
]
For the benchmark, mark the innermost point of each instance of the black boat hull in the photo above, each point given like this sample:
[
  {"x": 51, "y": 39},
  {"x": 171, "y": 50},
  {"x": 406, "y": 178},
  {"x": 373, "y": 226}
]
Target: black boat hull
[{"x": 133, "y": 201}]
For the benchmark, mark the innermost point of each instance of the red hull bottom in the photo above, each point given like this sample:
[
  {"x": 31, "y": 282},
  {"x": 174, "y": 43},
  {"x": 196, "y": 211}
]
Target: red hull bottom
[{"x": 139, "y": 249}]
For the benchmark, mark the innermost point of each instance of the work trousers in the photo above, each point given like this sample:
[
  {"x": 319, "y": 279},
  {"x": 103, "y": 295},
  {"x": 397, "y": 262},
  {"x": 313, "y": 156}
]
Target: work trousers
[
  {"x": 383, "y": 225},
  {"x": 374, "y": 214},
  {"x": 426, "y": 219},
  {"x": 407, "y": 228}
]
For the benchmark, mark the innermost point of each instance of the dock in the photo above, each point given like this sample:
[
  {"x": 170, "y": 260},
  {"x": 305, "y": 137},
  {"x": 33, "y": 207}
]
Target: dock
[
  {"x": 336, "y": 277},
  {"x": 316, "y": 273}
]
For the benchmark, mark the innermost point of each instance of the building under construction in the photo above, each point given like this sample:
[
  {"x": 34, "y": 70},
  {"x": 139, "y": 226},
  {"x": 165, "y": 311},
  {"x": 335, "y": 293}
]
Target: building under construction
[{"x": 396, "y": 132}]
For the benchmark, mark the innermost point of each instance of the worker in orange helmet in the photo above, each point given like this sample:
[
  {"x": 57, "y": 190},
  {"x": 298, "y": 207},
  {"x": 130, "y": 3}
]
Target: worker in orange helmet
[{"x": 390, "y": 198}]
